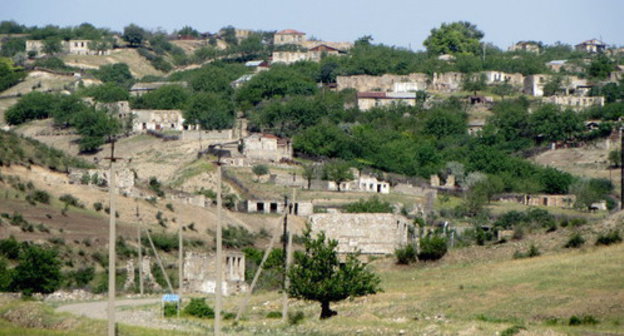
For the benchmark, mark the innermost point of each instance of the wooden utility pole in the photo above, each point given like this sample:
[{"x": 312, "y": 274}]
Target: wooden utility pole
[
  {"x": 219, "y": 259},
  {"x": 180, "y": 261},
  {"x": 112, "y": 235},
  {"x": 140, "y": 245}
]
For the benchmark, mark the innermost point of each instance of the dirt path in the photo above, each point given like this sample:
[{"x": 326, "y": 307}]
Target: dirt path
[{"x": 149, "y": 317}]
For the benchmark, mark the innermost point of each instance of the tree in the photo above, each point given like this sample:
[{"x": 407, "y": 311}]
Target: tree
[
  {"x": 260, "y": 170},
  {"x": 432, "y": 248},
  {"x": 166, "y": 97},
  {"x": 600, "y": 67},
  {"x": 134, "y": 35},
  {"x": 310, "y": 172},
  {"x": 371, "y": 205},
  {"x": 210, "y": 111},
  {"x": 52, "y": 45},
  {"x": 34, "y": 105},
  {"x": 615, "y": 158},
  {"x": 188, "y": 31},
  {"x": 118, "y": 73},
  {"x": 9, "y": 74},
  {"x": 337, "y": 171},
  {"x": 318, "y": 275},
  {"x": 13, "y": 46},
  {"x": 106, "y": 93},
  {"x": 38, "y": 271},
  {"x": 551, "y": 124},
  {"x": 553, "y": 85},
  {"x": 454, "y": 38}
]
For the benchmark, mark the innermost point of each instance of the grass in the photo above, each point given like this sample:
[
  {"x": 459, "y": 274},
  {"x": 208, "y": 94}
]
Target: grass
[{"x": 199, "y": 166}]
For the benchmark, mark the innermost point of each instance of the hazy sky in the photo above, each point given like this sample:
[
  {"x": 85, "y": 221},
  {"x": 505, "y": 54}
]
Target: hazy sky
[{"x": 393, "y": 22}]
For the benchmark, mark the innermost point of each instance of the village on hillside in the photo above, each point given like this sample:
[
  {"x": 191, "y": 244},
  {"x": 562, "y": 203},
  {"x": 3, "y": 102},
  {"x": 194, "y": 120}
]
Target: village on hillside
[{"x": 408, "y": 160}]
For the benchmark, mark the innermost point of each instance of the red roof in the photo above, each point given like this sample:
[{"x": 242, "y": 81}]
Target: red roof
[
  {"x": 289, "y": 32},
  {"x": 323, "y": 47}
]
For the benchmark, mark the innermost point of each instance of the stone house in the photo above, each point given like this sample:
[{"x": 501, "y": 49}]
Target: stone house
[
  {"x": 35, "y": 46},
  {"x": 267, "y": 147},
  {"x": 368, "y": 100},
  {"x": 157, "y": 120},
  {"x": 289, "y": 57},
  {"x": 576, "y": 102},
  {"x": 71, "y": 47},
  {"x": 140, "y": 89},
  {"x": 498, "y": 77},
  {"x": 268, "y": 206},
  {"x": 362, "y": 183},
  {"x": 316, "y": 53},
  {"x": 534, "y": 84},
  {"x": 199, "y": 273},
  {"x": 289, "y": 36},
  {"x": 528, "y": 46},
  {"x": 258, "y": 65},
  {"x": 591, "y": 46},
  {"x": 558, "y": 201},
  {"x": 384, "y": 83},
  {"x": 447, "y": 82},
  {"x": 556, "y": 65},
  {"x": 368, "y": 233}
]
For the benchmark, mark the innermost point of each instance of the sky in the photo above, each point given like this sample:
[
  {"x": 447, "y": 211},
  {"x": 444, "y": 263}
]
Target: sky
[{"x": 401, "y": 23}]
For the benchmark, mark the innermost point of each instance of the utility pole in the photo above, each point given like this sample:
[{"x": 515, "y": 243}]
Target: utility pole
[
  {"x": 621, "y": 170},
  {"x": 140, "y": 245},
  {"x": 288, "y": 253},
  {"x": 112, "y": 235},
  {"x": 180, "y": 261},
  {"x": 219, "y": 261},
  {"x": 285, "y": 238}
]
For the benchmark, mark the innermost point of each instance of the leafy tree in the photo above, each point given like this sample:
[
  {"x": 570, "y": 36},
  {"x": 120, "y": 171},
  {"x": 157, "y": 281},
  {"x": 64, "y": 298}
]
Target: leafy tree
[
  {"x": 95, "y": 126},
  {"x": 6, "y": 276},
  {"x": 555, "y": 181},
  {"x": 260, "y": 170},
  {"x": 615, "y": 158},
  {"x": 310, "y": 172},
  {"x": 52, "y": 45},
  {"x": 118, "y": 73},
  {"x": 34, "y": 105},
  {"x": 38, "y": 271},
  {"x": 106, "y": 93},
  {"x": 338, "y": 172},
  {"x": 588, "y": 191},
  {"x": 210, "y": 111},
  {"x": 165, "y": 98},
  {"x": 228, "y": 34},
  {"x": 474, "y": 82},
  {"x": 280, "y": 81},
  {"x": 13, "y": 46},
  {"x": 454, "y": 38},
  {"x": 9, "y": 75},
  {"x": 371, "y": 205},
  {"x": 188, "y": 31},
  {"x": 600, "y": 67},
  {"x": 444, "y": 122},
  {"x": 318, "y": 275},
  {"x": 134, "y": 35},
  {"x": 432, "y": 248},
  {"x": 549, "y": 123},
  {"x": 553, "y": 85},
  {"x": 324, "y": 139}
]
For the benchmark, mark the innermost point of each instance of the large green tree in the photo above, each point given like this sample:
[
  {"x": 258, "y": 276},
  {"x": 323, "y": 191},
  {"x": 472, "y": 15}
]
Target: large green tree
[
  {"x": 38, "y": 271},
  {"x": 318, "y": 275},
  {"x": 454, "y": 38},
  {"x": 210, "y": 111},
  {"x": 337, "y": 171},
  {"x": 134, "y": 35}
]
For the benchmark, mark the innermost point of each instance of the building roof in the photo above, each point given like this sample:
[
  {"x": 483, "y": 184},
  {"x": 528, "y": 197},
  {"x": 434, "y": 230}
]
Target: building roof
[
  {"x": 596, "y": 42},
  {"x": 256, "y": 63},
  {"x": 557, "y": 62},
  {"x": 325, "y": 46},
  {"x": 386, "y": 95},
  {"x": 289, "y": 32}
]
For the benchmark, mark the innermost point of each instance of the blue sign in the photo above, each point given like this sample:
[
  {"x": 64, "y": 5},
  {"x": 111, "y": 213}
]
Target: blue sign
[{"x": 171, "y": 298}]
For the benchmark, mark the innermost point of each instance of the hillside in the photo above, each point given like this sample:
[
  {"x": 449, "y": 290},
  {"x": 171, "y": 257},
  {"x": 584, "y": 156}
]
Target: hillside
[{"x": 139, "y": 66}]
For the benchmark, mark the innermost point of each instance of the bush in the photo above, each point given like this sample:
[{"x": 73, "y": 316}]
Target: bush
[
  {"x": 274, "y": 315},
  {"x": 295, "y": 318},
  {"x": 372, "y": 205},
  {"x": 512, "y": 330},
  {"x": 237, "y": 237},
  {"x": 533, "y": 251},
  {"x": 170, "y": 207},
  {"x": 10, "y": 248},
  {"x": 432, "y": 248},
  {"x": 609, "y": 238},
  {"x": 98, "y": 206},
  {"x": 38, "y": 271},
  {"x": 155, "y": 186},
  {"x": 170, "y": 309},
  {"x": 575, "y": 241},
  {"x": 40, "y": 196},
  {"x": 198, "y": 308},
  {"x": 405, "y": 255},
  {"x": 70, "y": 200},
  {"x": 585, "y": 319}
]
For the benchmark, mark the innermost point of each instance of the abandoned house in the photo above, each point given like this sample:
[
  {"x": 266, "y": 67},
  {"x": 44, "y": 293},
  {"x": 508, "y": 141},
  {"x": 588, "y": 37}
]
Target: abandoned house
[
  {"x": 71, "y": 47},
  {"x": 267, "y": 147},
  {"x": 576, "y": 102},
  {"x": 591, "y": 46},
  {"x": 368, "y": 100},
  {"x": 527, "y": 46},
  {"x": 199, "y": 275},
  {"x": 289, "y": 57},
  {"x": 157, "y": 120},
  {"x": 258, "y": 65},
  {"x": 289, "y": 36},
  {"x": 368, "y": 233},
  {"x": 362, "y": 183},
  {"x": 558, "y": 201},
  {"x": 266, "y": 206},
  {"x": 139, "y": 89},
  {"x": 384, "y": 83},
  {"x": 497, "y": 77}
]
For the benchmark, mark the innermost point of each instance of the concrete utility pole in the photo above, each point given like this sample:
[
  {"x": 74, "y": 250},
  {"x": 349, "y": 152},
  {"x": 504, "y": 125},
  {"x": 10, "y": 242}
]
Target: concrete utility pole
[
  {"x": 621, "y": 170},
  {"x": 219, "y": 261},
  {"x": 140, "y": 245},
  {"x": 288, "y": 253},
  {"x": 112, "y": 235}
]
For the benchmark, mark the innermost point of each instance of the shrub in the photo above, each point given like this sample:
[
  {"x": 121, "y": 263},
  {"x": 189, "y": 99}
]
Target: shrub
[
  {"x": 198, "y": 308},
  {"x": 40, "y": 196},
  {"x": 405, "y": 255},
  {"x": 512, "y": 330},
  {"x": 156, "y": 186},
  {"x": 237, "y": 237},
  {"x": 609, "y": 238},
  {"x": 533, "y": 251},
  {"x": 70, "y": 200},
  {"x": 170, "y": 207},
  {"x": 432, "y": 248},
  {"x": 98, "y": 206},
  {"x": 170, "y": 309},
  {"x": 10, "y": 248},
  {"x": 371, "y": 205},
  {"x": 295, "y": 318},
  {"x": 575, "y": 241},
  {"x": 274, "y": 315},
  {"x": 38, "y": 271},
  {"x": 585, "y": 319}
]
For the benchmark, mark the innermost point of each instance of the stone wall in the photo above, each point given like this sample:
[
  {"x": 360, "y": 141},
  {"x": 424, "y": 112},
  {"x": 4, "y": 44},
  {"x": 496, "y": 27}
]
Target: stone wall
[
  {"x": 199, "y": 274},
  {"x": 268, "y": 206},
  {"x": 124, "y": 177},
  {"x": 368, "y": 233},
  {"x": 384, "y": 83}
]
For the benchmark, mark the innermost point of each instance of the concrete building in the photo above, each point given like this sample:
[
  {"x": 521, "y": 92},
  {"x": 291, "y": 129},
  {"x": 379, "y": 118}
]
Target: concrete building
[
  {"x": 35, "y": 46},
  {"x": 558, "y": 201},
  {"x": 368, "y": 233},
  {"x": 534, "y": 84},
  {"x": 528, "y": 46},
  {"x": 362, "y": 183},
  {"x": 268, "y": 206},
  {"x": 157, "y": 120},
  {"x": 199, "y": 275},
  {"x": 384, "y": 83},
  {"x": 71, "y": 47},
  {"x": 289, "y": 36},
  {"x": 368, "y": 100},
  {"x": 447, "y": 82},
  {"x": 497, "y": 77},
  {"x": 289, "y": 57},
  {"x": 267, "y": 147},
  {"x": 591, "y": 46}
]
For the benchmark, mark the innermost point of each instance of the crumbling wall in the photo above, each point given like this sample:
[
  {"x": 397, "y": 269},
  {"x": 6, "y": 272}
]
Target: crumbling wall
[{"x": 199, "y": 275}]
